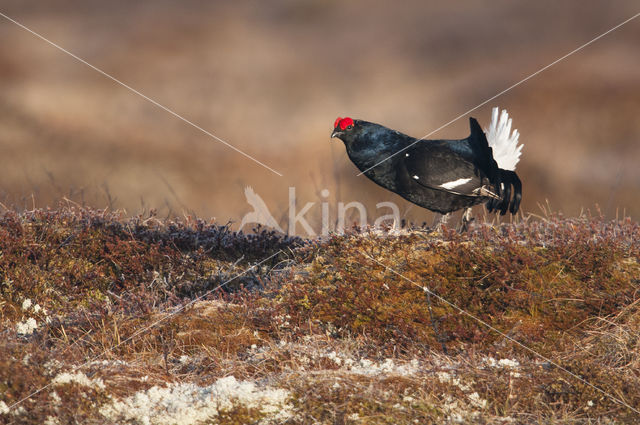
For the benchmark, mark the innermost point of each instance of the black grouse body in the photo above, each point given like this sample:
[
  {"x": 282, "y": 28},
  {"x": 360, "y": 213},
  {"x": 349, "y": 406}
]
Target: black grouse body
[{"x": 440, "y": 175}]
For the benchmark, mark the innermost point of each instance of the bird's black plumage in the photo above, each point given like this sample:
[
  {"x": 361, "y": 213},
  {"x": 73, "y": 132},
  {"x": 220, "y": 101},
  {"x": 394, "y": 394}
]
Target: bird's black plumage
[{"x": 440, "y": 175}]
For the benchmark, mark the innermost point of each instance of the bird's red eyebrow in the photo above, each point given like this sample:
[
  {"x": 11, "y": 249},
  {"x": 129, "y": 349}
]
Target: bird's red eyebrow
[{"x": 343, "y": 123}]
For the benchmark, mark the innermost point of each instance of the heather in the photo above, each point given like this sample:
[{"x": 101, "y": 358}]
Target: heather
[{"x": 146, "y": 320}]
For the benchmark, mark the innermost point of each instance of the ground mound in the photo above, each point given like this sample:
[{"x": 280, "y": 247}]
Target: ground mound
[{"x": 113, "y": 320}]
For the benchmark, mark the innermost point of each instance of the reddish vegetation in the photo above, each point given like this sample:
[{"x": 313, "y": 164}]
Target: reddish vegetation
[{"x": 566, "y": 288}]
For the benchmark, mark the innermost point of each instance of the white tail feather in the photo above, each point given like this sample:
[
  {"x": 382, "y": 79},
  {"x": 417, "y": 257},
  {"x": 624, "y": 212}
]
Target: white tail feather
[{"x": 504, "y": 143}]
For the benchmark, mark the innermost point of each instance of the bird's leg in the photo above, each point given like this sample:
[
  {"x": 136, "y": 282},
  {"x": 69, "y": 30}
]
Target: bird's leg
[
  {"x": 439, "y": 221},
  {"x": 467, "y": 218}
]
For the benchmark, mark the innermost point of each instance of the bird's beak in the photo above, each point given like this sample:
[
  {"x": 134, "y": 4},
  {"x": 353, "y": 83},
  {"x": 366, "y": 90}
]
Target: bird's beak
[{"x": 336, "y": 133}]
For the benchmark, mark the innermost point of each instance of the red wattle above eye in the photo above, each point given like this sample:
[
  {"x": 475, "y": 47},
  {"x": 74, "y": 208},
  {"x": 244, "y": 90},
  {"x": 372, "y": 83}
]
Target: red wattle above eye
[
  {"x": 345, "y": 122},
  {"x": 335, "y": 124}
]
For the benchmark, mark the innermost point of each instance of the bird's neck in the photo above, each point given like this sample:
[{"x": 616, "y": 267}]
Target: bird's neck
[{"x": 371, "y": 147}]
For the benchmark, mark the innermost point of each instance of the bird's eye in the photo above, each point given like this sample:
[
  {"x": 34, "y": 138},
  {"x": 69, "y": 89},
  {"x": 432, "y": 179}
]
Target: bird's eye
[{"x": 349, "y": 127}]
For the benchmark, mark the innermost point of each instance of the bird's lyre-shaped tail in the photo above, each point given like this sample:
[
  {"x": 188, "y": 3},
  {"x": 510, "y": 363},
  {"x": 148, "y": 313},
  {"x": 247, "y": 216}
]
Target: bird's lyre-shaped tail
[
  {"x": 503, "y": 141},
  {"x": 506, "y": 182}
]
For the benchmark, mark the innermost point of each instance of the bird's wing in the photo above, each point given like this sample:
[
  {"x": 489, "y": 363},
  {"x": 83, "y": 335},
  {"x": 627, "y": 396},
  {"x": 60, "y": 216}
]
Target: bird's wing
[{"x": 434, "y": 165}]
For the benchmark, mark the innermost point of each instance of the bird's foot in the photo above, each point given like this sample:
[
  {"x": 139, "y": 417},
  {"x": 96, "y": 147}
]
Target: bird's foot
[{"x": 467, "y": 219}]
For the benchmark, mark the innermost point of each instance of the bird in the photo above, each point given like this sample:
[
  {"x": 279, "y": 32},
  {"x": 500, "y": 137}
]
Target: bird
[{"x": 442, "y": 176}]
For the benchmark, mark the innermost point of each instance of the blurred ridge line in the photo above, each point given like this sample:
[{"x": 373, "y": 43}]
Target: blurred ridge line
[{"x": 175, "y": 114}]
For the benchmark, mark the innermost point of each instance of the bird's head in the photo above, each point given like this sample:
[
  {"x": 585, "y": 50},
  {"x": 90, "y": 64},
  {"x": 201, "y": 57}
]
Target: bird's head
[
  {"x": 360, "y": 135},
  {"x": 343, "y": 128}
]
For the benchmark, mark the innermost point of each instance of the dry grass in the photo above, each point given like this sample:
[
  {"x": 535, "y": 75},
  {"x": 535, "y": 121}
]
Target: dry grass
[{"x": 321, "y": 334}]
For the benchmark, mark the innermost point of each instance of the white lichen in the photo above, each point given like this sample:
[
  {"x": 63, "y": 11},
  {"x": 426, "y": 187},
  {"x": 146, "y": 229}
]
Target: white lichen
[
  {"x": 19, "y": 411},
  {"x": 387, "y": 367},
  {"x": 448, "y": 378},
  {"x": 187, "y": 403},
  {"x": 509, "y": 363},
  {"x": 26, "y": 304},
  {"x": 476, "y": 401},
  {"x": 27, "y": 327},
  {"x": 334, "y": 357},
  {"x": 55, "y": 397},
  {"x": 78, "y": 378},
  {"x": 51, "y": 420}
]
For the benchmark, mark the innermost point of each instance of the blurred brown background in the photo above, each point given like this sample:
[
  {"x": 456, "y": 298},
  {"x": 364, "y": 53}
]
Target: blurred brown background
[{"x": 271, "y": 77}]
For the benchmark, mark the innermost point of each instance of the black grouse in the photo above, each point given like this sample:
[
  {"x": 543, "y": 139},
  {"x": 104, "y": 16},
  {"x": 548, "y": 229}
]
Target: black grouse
[{"x": 440, "y": 175}]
